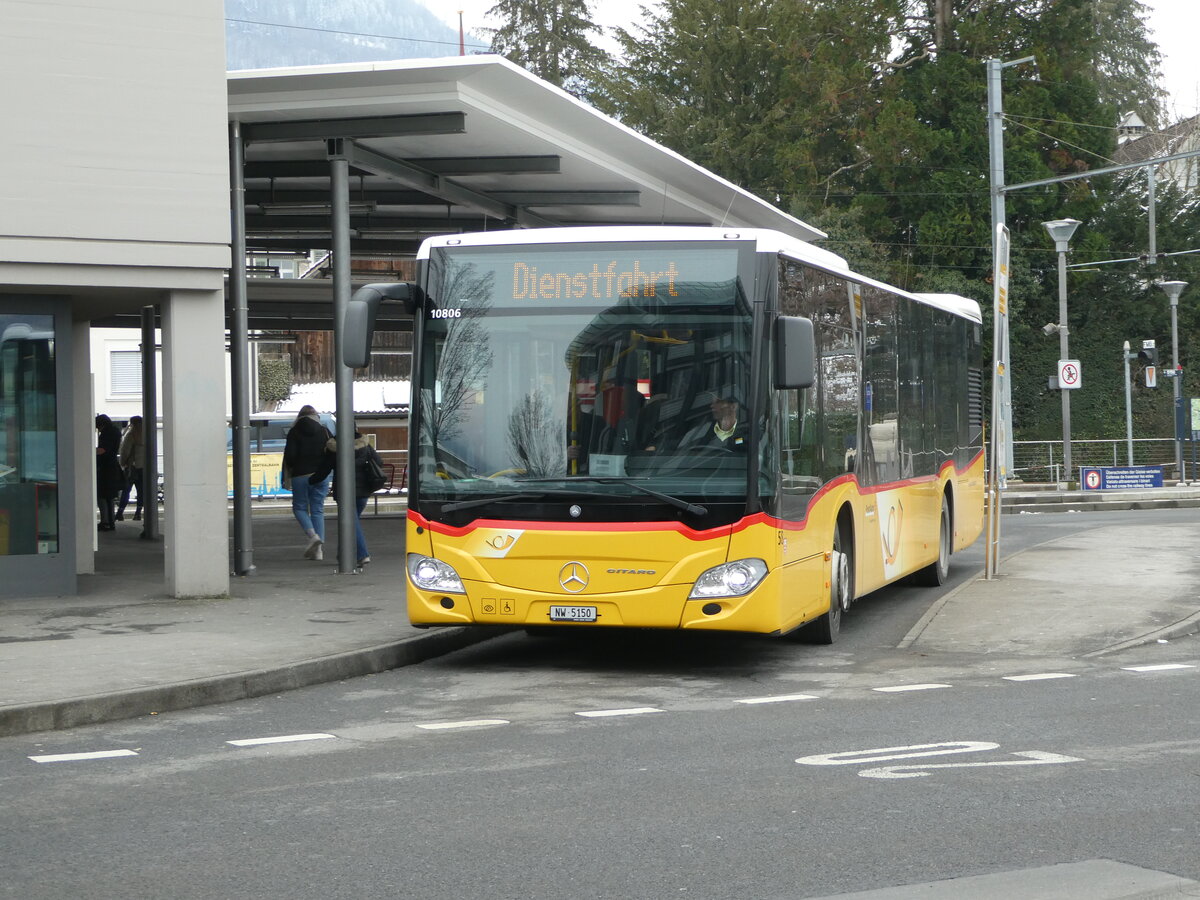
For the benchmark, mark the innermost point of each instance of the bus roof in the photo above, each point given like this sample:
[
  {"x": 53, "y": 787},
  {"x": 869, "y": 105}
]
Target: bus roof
[{"x": 765, "y": 240}]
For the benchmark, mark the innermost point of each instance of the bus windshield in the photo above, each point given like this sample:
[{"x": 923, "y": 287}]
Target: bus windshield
[{"x": 603, "y": 369}]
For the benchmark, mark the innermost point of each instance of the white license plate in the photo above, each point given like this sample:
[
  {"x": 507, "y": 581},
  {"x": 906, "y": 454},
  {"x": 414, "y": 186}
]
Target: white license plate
[{"x": 572, "y": 614}]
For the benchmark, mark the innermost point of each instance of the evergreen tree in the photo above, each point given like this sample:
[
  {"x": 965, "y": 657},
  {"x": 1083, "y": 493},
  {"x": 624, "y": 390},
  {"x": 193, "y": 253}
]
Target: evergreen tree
[
  {"x": 868, "y": 118},
  {"x": 550, "y": 38}
]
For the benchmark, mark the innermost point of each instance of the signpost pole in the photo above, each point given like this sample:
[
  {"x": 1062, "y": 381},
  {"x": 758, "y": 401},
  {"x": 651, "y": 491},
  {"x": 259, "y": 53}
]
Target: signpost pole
[
  {"x": 1061, "y": 231},
  {"x": 1128, "y": 408}
]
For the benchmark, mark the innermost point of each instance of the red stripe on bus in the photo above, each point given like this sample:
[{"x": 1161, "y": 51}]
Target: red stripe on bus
[
  {"x": 689, "y": 533},
  {"x": 613, "y": 527}
]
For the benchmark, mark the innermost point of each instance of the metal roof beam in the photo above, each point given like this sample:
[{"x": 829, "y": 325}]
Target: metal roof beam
[
  {"x": 280, "y": 194},
  {"x": 374, "y": 126},
  {"x": 291, "y": 168},
  {"x": 432, "y": 183},
  {"x": 491, "y": 165},
  {"x": 570, "y": 198},
  {"x": 388, "y": 198},
  {"x": 260, "y": 224},
  {"x": 441, "y": 165}
]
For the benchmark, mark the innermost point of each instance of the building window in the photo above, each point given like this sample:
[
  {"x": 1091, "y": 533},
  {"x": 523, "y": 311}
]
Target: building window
[{"x": 125, "y": 371}]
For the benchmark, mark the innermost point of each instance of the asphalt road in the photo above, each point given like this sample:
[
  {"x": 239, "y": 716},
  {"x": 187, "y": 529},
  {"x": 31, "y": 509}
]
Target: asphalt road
[{"x": 638, "y": 766}]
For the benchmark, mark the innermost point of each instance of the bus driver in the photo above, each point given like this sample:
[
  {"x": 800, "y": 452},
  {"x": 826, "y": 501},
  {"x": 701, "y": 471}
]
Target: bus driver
[{"x": 725, "y": 431}]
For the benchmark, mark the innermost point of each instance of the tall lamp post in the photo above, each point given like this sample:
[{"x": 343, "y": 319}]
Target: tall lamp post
[
  {"x": 1173, "y": 289},
  {"x": 1061, "y": 231}
]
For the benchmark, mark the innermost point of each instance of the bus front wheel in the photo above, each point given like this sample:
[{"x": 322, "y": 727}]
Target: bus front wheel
[{"x": 825, "y": 630}]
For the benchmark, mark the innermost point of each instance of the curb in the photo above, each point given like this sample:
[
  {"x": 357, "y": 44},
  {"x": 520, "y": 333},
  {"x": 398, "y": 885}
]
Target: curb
[
  {"x": 59, "y": 714},
  {"x": 1184, "y": 627}
]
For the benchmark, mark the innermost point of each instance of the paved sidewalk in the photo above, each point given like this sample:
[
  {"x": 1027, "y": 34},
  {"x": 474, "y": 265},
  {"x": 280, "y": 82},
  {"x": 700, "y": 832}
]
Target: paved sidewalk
[
  {"x": 1095, "y": 591},
  {"x": 122, "y": 648}
]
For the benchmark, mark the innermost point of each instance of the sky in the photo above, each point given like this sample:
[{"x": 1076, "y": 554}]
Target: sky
[{"x": 1174, "y": 26}]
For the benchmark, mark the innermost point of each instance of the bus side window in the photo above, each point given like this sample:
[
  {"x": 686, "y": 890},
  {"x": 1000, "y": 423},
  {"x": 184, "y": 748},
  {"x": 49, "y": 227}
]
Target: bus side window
[{"x": 880, "y": 373}]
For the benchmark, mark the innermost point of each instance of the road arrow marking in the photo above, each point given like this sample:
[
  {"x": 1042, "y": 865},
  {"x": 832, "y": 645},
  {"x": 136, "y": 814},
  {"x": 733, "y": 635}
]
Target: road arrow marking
[{"x": 1033, "y": 758}]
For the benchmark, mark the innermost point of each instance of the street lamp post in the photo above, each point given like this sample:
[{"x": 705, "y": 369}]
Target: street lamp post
[
  {"x": 1061, "y": 231},
  {"x": 1173, "y": 289}
]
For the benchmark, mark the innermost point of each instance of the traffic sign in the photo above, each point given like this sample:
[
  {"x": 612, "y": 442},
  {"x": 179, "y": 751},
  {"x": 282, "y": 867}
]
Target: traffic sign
[{"x": 1070, "y": 374}]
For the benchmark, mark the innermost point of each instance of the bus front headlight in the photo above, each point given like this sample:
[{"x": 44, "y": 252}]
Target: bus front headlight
[
  {"x": 431, "y": 574},
  {"x": 732, "y": 579}
]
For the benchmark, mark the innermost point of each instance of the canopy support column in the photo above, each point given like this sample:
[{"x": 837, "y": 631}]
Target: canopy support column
[
  {"x": 148, "y": 489},
  {"x": 339, "y": 178},
  {"x": 239, "y": 359}
]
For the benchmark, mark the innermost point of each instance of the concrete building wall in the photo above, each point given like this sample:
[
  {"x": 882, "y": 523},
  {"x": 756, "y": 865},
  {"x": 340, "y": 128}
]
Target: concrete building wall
[
  {"x": 115, "y": 198},
  {"x": 115, "y": 117}
]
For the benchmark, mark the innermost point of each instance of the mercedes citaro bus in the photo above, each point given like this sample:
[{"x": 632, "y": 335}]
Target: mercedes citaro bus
[{"x": 677, "y": 428}]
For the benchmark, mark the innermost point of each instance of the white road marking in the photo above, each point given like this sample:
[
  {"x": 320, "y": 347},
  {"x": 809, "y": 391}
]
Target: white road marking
[
  {"x": 884, "y": 754},
  {"x": 281, "y": 739},
  {"x": 1032, "y": 758},
  {"x": 900, "y": 688},
  {"x": 73, "y": 757},
  {"x": 1159, "y": 668},
  {"x": 635, "y": 711},
  {"x": 1041, "y": 676},
  {"x": 468, "y": 723},
  {"x": 780, "y": 698}
]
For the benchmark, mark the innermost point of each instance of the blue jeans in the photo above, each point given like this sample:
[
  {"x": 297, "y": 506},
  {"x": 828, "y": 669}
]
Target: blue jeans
[
  {"x": 308, "y": 504},
  {"x": 360, "y": 503}
]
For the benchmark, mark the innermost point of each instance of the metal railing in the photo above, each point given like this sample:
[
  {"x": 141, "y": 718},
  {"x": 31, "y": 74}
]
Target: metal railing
[{"x": 1042, "y": 461}]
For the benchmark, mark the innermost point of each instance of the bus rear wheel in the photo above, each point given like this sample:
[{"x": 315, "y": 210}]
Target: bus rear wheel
[
  {"x": 825, "y": 630},
  {"x": 935, "y": 574}
]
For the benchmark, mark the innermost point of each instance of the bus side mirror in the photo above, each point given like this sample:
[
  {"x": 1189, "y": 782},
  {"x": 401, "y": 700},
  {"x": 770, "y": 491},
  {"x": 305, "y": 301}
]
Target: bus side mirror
[
  {"x": 358, "y": 327},
  {"x": 795, "y": 353}
]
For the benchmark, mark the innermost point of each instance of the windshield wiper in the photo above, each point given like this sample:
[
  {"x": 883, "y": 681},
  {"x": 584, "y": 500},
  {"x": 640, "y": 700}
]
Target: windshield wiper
[
  {"x": 504, "y": 498},
  {"x": 484, "y": 501},
  {"x": 693, "y": 508}
]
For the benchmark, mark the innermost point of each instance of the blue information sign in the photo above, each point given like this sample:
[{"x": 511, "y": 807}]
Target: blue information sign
[{"x": 1112, "y": 478}]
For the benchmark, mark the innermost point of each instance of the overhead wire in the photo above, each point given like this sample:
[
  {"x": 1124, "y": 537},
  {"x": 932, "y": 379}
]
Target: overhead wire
[{"x": 387, "y": 37}]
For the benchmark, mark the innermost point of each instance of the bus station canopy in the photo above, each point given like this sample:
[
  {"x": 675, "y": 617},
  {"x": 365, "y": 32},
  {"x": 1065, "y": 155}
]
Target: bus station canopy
[{"x": 457, "y": 144}]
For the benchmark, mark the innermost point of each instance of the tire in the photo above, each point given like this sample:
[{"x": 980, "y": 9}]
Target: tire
[
  {"x": 935, "y": 574},
  {"x": 826, "y": 629}
]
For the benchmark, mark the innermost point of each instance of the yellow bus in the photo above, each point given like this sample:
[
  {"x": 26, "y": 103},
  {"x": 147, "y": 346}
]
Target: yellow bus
[{"x": 677, "y": 428}]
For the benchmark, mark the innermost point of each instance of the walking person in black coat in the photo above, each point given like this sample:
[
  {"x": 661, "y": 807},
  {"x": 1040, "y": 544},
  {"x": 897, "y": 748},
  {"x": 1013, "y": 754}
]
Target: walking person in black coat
[
  {"x": 303, "y": 452},
  {"x": 109, "y": 478}
]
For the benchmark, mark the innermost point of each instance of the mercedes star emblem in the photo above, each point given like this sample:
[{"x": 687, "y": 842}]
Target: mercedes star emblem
[{"x": 573, "y": 577}]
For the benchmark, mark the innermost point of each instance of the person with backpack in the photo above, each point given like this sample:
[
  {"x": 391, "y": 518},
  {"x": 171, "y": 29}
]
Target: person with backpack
[{"x": 369, "y": 476}]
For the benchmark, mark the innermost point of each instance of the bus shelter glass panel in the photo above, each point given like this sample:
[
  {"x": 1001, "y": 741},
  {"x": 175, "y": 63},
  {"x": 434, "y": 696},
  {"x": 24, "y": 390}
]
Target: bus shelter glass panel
[{"x": 29, "y": 436}]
